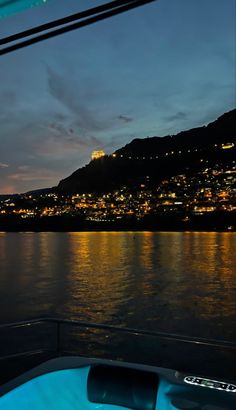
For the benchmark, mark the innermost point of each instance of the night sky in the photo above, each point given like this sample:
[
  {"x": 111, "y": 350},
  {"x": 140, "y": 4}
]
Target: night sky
[{"x": 156, "y": 70}]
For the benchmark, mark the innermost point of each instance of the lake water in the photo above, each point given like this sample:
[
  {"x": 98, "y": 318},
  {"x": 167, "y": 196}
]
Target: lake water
[{"x": 172, "y": 282}]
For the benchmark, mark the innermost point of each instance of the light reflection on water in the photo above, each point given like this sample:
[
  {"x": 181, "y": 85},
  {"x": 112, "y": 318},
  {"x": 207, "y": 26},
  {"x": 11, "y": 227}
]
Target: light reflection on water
[{"x": 176, "y": 282}]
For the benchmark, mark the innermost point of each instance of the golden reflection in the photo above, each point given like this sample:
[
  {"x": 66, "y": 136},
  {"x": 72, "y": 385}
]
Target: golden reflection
[
  {"x": 128, "y": 274},
  {"x": 3, "y": 254},
  {"x": 202, "y": 278},
  {"x": 146, "y": 250},
  {"x": 167, "y": 281},
  {"x": 99, "y": 280}
]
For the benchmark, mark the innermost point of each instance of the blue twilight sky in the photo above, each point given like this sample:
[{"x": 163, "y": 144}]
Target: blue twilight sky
[{"x": 159, "y": 69}]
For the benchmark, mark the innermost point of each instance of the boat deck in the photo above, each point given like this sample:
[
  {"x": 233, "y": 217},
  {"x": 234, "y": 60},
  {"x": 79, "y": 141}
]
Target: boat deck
[{"x": 39, "y": 356}]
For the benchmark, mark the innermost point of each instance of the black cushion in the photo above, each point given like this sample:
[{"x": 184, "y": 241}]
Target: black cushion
[{"x": 135, "y": 389}]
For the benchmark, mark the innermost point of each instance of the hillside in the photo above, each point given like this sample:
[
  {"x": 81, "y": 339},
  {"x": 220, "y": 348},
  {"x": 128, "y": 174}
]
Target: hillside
[{"x": 158, "y": 157}]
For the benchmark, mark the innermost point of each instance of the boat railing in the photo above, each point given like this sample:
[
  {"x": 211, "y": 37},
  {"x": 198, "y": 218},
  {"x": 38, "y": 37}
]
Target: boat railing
[
  {"x": 59, "y": 329},
  {"x": 26, "y": 344}
]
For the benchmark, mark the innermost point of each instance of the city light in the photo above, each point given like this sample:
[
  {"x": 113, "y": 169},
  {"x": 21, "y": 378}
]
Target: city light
[{"x": 211, "y": 189}]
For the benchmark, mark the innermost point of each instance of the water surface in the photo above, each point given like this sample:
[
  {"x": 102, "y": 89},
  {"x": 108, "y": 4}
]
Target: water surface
[{"x": 174, "y": 282}]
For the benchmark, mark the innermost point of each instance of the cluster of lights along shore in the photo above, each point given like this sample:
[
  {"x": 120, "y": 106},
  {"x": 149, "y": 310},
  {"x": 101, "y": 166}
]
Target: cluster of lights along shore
[{"x": 210, "y": 190}]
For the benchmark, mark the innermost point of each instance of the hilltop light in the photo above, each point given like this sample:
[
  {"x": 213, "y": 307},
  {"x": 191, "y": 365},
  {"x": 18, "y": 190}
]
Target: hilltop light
[
  {"x": 228, "y": 145},
  {"x": 97, "y": 154}
]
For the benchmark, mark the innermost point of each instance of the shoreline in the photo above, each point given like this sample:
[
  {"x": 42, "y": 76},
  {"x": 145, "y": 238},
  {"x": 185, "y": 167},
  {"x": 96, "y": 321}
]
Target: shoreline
[
  {"x": 118, "y": 230},
  {"x": 220, "y": 222}
]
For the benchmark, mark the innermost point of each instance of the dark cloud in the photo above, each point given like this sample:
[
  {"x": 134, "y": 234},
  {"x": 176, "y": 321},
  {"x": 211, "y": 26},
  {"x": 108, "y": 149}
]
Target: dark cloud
[
  {"x": 58, "y": 130},
  {"x": 8, "y": 97},
  {"x": 125, "y": 119},
  {"x": 72, "y": 98},
  {"x": 59, "y": 133},
  {"x": 58, "y": 116},
  {"x": 178, "y": 116}
]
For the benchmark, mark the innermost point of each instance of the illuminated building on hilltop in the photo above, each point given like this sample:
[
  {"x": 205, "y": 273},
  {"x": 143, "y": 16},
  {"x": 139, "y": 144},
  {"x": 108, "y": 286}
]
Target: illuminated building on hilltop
[
  {"x": 97, "y": 154},
  {"x": 228, "y": 145}
]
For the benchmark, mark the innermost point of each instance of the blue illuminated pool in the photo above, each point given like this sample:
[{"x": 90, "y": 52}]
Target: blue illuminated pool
[{"x": 109, "y": 385}]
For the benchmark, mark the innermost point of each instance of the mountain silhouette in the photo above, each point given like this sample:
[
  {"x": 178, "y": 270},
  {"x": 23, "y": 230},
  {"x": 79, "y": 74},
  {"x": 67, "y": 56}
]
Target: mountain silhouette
[{"x": 157, "y": 158}]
